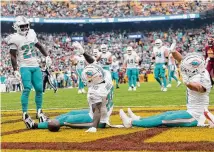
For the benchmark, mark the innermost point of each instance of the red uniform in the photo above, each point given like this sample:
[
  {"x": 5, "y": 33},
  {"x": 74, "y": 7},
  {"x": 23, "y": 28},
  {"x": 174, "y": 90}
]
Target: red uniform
[{"x": 210, "y": 54}]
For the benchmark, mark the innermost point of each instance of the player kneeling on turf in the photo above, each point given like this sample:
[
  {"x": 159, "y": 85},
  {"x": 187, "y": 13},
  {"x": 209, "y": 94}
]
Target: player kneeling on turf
[
  {"x": 99, "y": 98},
  {"x": 197, "y": 80}
]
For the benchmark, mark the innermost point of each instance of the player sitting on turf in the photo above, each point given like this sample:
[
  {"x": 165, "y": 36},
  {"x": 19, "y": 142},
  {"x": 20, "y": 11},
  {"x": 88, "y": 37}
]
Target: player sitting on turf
[
  {"x": 197, "y": 80},
  {"x": 23, "y": 44},
  {"x": 99, "y": 98}
]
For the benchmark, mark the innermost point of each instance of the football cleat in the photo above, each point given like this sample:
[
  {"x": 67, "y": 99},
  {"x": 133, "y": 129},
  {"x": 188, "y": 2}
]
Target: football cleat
[
  {"x": 130, "y": 89},
  {"x": 210, "y": 117},
  {"x": 41, "y": 116},
  {"x": 55, "y": 90},
  {"x": 164, "y": 89},
  {"x": 127, "y": 122},
  {"x": 134, "y": 89},
  {"x": 83, "y": 91},
  {"x": 178, "y": 84},
  {"x": 138, "y": 84},
  {"x": 79, "y": 91},
  {"x": 28, "y": 121},
  {"x": 169, "y": 86},
  {"x": 132, "y": 115}
]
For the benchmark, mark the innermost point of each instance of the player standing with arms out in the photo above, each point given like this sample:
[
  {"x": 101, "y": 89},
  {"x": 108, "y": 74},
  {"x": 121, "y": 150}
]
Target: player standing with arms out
[
  {"x": 46, "y": 77},
  {"x": 99, "y": 98},
  {"x": 22, "y": 48},
  {"x": 209, "y": 56},
  {"x": 197, "y": 80},
  {"x": 115, "y": 67},
  {"x": 130, "y": 61},
  {"x": 160, "y": 57},
  {"x": 105, "y": 58},
  {"x": 80, "y": 63},
  {"x": 172, "y": 70}
]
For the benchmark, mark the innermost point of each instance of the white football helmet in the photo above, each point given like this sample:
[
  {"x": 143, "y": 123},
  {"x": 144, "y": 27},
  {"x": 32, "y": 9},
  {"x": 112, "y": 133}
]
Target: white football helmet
[
  {"x": 158, "y": 43},
  {"x": 114, "y": 59},
  {"x": 21, "y": 25},
  {"x": 92, "y": 74},
  {"x": 192, "y": 64},
  {"x": 129, "y": 50},
  {"x": 103, "y": 48}
]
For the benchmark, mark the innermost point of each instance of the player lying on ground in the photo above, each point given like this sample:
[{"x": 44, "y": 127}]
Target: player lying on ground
[
  {"x": 22, "y": 44},
  {"x": 99, "y": 98},
  {"x": 197, "y": 80}
]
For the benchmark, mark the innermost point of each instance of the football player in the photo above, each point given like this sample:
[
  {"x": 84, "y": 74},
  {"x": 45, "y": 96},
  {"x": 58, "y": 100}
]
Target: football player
[
  {"x": 160, "y": 57},
  {"x": 105, "y": 58},
  {"x": 198, "y": 83},
  {"x": 130, "y": 61},
  {"x": 171, "y": 71},
  {"x": 99, "y": 98},
  {"x": 209, "y": 55},
  {"x": 80, "y": 63},
  {"x": 23, "y": 46},
  {"x": 115, "y": 67}
]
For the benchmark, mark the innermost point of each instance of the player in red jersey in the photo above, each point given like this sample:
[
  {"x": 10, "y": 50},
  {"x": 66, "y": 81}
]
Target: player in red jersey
[{"x": 209, "y": 55}]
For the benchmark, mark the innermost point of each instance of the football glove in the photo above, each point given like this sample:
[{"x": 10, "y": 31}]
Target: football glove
[
  {"x": 92, "y": 129},
  {"x": 78, "y": 48},
  {"x": 48, "y": 61},
  {"x": 17, "y": 74},
  {"x": 172, "y": 47}
]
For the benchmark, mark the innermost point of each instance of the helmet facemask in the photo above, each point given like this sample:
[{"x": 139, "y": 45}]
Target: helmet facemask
[{"x": 22, "y": 25}]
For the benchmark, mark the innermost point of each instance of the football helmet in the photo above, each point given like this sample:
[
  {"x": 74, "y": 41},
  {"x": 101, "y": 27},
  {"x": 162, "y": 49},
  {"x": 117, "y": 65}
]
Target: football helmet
[
  {"x": 21, "y": 25},
  {"x": 192, "y": 64},
  {"x": 95, "y": 52},
  {"x": 92, "y": 74},
  {"x": 103, "y": 48},
  {"x": 114, "y": 59},
  {"x": 158, "y": 43},
  {"x": 129, "y": 50}
]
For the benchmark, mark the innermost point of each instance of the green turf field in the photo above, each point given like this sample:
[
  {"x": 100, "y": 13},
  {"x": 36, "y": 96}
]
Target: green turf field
[{"x": 148, "y": 94}]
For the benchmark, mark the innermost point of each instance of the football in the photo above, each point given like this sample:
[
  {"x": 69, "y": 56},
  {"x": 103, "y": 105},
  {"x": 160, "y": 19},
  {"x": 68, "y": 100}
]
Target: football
[{"x": 53, "y": 125}]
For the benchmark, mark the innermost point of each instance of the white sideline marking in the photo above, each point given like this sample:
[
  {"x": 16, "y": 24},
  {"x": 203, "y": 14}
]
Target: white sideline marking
[{"x": 114, "y": 107}]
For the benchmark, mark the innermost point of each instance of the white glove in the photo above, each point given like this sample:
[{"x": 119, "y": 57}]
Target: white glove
[
  {"x": 92, "y": 129},
  {"x": 164, "y": 66},
  {"x": 78, "y": 47},
  {"x": 172, "y": 47},
  {"x": 185, "y": 79},
  {"x": 207, "y": 60},
  {"x": 48, "y": 61},
  {"x": 17, "y": 74}
]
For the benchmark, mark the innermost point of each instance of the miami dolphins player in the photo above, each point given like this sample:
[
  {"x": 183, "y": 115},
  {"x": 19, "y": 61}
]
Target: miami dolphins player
[
  {"x": 160, "y": 57},
  {"x": 23, "y": 46},
  {"x": 80, "y": 63},
  {"x": 171, "y": 70},
  {"x": 115, "y": 67},
  {"x": 130, "y": 61},
  {"x": 99, "y": 98},
  {"x": 198, "y": 83},
  {"x": 105, "y": 58}
]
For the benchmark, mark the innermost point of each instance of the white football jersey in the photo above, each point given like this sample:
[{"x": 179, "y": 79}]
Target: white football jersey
[
  {"x": 25, "y": 45},
  {"x": 171, "y": 63},
  {"x": 131, "y": 60},
  {"x": 104, "y": 58},
  {"x": 98, "y": 93},
  {"x": 80, "y": 62},
  {"x": 115, "y": 66},
  {"x": 196, "y": 102},
  {"x": 159, "y": 54}
]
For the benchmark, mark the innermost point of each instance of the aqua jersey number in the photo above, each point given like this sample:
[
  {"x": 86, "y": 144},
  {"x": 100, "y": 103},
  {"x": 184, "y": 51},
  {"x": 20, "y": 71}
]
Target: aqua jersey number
[{"x": 29, "y": 50}]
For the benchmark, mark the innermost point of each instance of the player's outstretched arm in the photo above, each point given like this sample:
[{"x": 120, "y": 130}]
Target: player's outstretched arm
[
  {"x": 175, "y": 54},
  {"x": 41, "y": 49},
  {"x": 13, "y": 59},
  {"x": 88, "y": 58}
]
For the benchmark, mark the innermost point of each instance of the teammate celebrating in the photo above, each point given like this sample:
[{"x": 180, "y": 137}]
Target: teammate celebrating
[
  {"x": 160, "y": 55},
  {"x": 99, "y": 98},
  {"x": 80, "y": 65},
  {"x": 210, "y": 56},
  {"x": 197, "y": 80},
  {"x": 23, "y": 43},
  {"x": 115, "y": 67},
  {"x": 105, "y": 58},
  {"x": 171, "y": 71},
  {"x": 130, "y": 61}
]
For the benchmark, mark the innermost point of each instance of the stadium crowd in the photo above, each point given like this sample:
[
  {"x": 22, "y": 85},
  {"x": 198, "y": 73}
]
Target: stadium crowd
[
  {"x": 60, "y": 49},
  {"x": 98, "y": 9}
]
